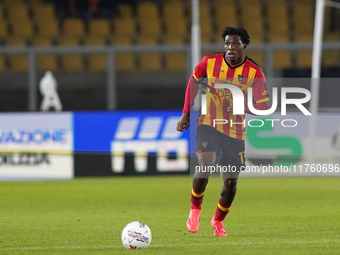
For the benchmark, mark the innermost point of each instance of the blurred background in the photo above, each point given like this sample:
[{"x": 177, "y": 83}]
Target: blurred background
[{"x": 164, "y": 26}]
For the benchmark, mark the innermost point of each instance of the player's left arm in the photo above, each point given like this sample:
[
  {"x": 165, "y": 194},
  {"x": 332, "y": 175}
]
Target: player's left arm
[{"x": 260, "y": 93}]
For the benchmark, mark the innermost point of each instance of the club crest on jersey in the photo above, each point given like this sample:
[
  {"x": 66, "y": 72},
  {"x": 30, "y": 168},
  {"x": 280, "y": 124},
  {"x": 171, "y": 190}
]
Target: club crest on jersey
[
  {"x": 204, "y": 144},
  {"x": 240, "y": 78}
]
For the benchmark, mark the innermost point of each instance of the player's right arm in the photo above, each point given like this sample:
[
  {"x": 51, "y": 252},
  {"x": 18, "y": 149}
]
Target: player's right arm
[{"x": 190, "y": 94}]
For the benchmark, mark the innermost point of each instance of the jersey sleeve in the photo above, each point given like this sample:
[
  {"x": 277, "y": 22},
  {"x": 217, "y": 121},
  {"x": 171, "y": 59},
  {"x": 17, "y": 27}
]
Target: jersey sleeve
[
  {"x": 260, "y": 90},
  {"x": 201, "y": 69},
  {"x": 192, "y": 88}
]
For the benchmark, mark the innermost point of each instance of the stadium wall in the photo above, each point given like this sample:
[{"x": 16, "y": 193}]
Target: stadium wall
[{"x": 71, "y": 144}]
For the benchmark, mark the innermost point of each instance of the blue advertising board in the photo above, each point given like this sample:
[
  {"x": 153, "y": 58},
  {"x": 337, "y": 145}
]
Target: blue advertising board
[{"x": 129, "y": 142}]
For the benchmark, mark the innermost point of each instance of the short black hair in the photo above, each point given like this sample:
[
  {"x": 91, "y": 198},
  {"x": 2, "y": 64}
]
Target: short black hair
[{"x": 245, "y": 38}]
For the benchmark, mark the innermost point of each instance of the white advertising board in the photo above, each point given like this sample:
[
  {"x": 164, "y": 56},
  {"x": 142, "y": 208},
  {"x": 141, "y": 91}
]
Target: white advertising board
[{"x": 36, "y": 146}]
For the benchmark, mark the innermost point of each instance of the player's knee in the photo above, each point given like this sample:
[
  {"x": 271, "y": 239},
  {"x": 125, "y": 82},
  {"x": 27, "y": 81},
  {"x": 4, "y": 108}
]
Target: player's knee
[
  {"x": 201, "y": 181},
  {"x": 230, "y": 184}
]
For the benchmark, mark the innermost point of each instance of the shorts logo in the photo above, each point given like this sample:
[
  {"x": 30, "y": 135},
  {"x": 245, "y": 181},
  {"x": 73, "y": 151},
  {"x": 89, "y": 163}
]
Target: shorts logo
[
  {"x": 240, "y": 78},
  {"x": 204, "y": 144}
]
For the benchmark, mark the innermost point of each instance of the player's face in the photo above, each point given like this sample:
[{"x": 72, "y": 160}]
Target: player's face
[{"x": 234, "y": 49}]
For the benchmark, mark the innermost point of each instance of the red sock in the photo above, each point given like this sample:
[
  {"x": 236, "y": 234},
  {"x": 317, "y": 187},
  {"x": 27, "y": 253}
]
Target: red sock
[
  {"x": 196, "y": 199},
  {"x": 221, "y": 211}
]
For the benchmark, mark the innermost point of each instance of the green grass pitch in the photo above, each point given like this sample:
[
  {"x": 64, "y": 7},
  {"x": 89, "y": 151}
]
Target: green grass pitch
[{"x": 87, "y": 215}]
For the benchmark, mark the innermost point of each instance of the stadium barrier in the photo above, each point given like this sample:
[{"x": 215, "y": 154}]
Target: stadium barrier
[{"x": 71, "y": 144}]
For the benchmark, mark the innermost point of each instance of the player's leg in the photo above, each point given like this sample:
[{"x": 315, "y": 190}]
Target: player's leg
[
  {"x": 200, "y": 181},
  {"x": 233, "y": 160},
  {"x": 206, "y": 155},
  {"x": 228, "y": 190},
  {"x": 228, "y": 193}
]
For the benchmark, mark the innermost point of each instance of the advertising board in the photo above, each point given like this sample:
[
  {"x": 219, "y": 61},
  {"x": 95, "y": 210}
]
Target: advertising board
[
  {"x": 36, "y": 146},
  {"x": 129, "y": 143}
]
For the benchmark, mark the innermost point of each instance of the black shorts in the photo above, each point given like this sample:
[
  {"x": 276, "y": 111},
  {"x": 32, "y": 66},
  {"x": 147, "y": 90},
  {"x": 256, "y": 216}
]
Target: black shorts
[{"x": 230, "y": 151}]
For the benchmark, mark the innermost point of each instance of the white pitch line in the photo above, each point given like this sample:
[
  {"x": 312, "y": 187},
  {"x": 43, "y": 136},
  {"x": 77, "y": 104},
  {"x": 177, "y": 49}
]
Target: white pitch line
[{"x": 168, "y": 245}]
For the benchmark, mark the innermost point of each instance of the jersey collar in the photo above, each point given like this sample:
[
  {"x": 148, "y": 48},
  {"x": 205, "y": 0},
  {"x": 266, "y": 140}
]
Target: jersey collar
[{"x": 233, "y": 66}]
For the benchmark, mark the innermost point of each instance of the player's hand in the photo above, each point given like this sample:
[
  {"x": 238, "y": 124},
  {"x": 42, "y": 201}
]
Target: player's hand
[{"x": 183, "y": 122}]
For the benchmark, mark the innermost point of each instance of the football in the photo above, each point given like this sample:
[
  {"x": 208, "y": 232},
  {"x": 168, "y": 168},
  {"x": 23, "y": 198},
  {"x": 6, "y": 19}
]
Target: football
[{"x": 136, "y": 235}]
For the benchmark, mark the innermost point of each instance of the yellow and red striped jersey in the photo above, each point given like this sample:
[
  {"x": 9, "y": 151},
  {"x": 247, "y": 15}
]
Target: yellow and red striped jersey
[{"x": 218, "y": 70}]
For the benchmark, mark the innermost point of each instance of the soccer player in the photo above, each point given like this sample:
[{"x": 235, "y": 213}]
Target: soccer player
[{"x": 218, "y": 143}]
